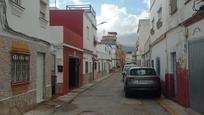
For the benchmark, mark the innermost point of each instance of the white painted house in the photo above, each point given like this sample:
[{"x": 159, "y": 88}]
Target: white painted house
[
  {"x": 113, "y": 56},
  {"x": 143, "y": 35},
  {"x": 89, "y": 38},
  {"x": 104, "y": 62},
  {"x": 176, "y": 43},
  {"x": 25, "y": 55},
  {"x": 129, "y": 56}
]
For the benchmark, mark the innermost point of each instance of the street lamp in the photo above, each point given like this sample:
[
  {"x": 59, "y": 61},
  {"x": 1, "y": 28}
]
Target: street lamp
[{"x": 101, "y": 23}]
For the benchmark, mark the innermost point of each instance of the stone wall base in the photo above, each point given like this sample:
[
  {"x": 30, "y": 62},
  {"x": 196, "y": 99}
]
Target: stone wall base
[{"x": 19, "y": 104}]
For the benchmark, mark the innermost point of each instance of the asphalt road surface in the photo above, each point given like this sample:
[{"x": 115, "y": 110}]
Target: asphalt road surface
[{"x": 107, "y": 98}]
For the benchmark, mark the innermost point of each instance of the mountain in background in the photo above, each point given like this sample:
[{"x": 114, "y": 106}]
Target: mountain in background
[{"x": 128, "y": 48}]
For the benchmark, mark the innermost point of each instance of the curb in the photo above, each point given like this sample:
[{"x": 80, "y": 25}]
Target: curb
[{"x": 167, "y": 107}]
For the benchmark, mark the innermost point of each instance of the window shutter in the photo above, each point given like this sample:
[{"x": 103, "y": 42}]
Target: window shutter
[{"x": 173, "y": 6}]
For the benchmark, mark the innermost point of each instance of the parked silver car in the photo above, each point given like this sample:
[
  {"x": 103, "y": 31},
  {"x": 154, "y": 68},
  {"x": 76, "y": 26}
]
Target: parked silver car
[
  {"x": 142, "y": 79},
  {"x": 125, "y": 69}
]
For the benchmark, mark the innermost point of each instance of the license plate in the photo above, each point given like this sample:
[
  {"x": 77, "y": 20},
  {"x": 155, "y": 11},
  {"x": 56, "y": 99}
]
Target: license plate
[{"x": 142, "y": 81}]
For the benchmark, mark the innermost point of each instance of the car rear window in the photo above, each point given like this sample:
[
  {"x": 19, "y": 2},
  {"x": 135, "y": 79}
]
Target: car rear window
[{"x": 142, "y": 71}]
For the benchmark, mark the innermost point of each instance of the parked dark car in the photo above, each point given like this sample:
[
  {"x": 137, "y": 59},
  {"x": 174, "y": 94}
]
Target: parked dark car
[{"x": 142, "y": 79}]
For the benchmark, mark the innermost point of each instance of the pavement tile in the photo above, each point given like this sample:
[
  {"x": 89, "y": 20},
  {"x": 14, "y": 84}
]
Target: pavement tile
[
  {"x": 49, "y": 106},
  {"x": 176, "y": 109}
]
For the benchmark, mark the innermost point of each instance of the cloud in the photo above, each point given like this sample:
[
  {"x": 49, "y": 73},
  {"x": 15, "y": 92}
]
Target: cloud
[
  {"x": 147, "y": 2},
  {"x": 120, "y": 21}
]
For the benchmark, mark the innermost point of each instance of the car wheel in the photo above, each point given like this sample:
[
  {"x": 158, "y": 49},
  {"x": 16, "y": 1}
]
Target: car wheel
[{"x": 158, "y": 94}]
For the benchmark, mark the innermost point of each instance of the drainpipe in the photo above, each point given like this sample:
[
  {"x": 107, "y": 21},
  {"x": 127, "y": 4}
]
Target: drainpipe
[{"x": 167, "y": 57}]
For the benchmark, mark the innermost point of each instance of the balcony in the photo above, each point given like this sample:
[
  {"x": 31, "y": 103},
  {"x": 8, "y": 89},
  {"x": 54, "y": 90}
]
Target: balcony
[
  {"x": 17, "y": 8},
  {"x": 87, "y": 8}
]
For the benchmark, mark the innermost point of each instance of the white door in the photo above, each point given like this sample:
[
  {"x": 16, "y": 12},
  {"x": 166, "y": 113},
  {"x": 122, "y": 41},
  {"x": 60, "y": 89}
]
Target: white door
[{"x": 40, "y": 76}]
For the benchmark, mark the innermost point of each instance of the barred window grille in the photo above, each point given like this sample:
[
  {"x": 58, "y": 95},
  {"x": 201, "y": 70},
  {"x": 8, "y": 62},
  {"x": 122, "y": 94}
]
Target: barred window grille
[
  {"x": 43, "y": 7},
  {"x": 20, "y": 68},
  {"x": 18, "y": 2}
]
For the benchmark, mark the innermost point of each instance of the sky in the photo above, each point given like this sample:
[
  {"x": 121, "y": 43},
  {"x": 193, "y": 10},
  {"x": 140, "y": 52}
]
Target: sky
[{"x": 121, "y": 16}]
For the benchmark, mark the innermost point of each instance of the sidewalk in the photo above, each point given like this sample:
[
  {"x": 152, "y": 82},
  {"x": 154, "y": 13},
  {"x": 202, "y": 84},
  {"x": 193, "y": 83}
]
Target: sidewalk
[
  {"x": 48, "y": 107},
  {"x": 175, "y": 109}
]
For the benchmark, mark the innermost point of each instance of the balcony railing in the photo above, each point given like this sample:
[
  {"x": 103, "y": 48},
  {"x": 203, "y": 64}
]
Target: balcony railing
[{"x": 87, "y": 8}]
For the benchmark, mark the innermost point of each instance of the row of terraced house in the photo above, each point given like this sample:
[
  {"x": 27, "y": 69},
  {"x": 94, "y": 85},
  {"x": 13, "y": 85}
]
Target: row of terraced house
[
  {"x": 174, "y": 47},
  {"x": 45, "y": 52}
]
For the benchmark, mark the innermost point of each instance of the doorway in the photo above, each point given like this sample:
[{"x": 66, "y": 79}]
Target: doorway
[
  {"x": 158, "y": 69},
  {"x": 40, "y": 77},
  {"x": 196, "y": 74},
  {"x": 53, "y": 75},
  {"x": 173, "y": 57},
  {"x": 73, "y": 72}
]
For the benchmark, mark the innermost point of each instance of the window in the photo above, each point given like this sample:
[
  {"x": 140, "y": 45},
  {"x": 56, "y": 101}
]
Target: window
[
  {"x": 99, "y": 67},
  {"x": 95, "y": 66},
  {"x": 86, "y": 67},
  {"x": 152, "y": 63},
  {"x": 43, "y": 7},
  {"x": 159, "y": 21},
  {"x": 186, "y": 1},
  {"x": 20, "y": 68},
  {"x": 90, "y": 67},
  {"x": 102, "y": 67},
  {"x": 87, "y": 33},
  {"x": 158, "y": 65},
  {"x": 16, "y": 7},
  {"x": 159, "y": 13},
  {"x": 18, "y": 2},
  {"x": 173, "y": 6},
  {"x": 142, "y": 72}
]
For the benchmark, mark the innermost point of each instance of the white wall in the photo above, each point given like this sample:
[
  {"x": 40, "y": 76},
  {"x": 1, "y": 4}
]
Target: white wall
[
  {"x": 196, "y": 31},
  {"x": 56, "y": 37},
  {"x": 104, "y": 56},
  {"x": 28, "y": 21},
  {"x": 89, "y": 20},
  {"x": 159, "y": 51},
  {"x": 113, "y": 56},
  {"x": 143, "y": 34},
  {"x": 175, "y": 40},
  {"x": 129, "y": 57},
  {"x": 154, "y": 15},
  {"x": 88, "y": 44}
]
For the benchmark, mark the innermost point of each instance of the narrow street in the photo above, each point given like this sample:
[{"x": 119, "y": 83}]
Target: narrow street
[{"x": 107, "y": 98}]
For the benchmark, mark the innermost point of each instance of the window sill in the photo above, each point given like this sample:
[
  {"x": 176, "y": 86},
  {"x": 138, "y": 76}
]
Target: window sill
[
  {"x": 18, "y": 88},
  {"x": 16, "y": 9},
  {"x": 20, "y": 83}
]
